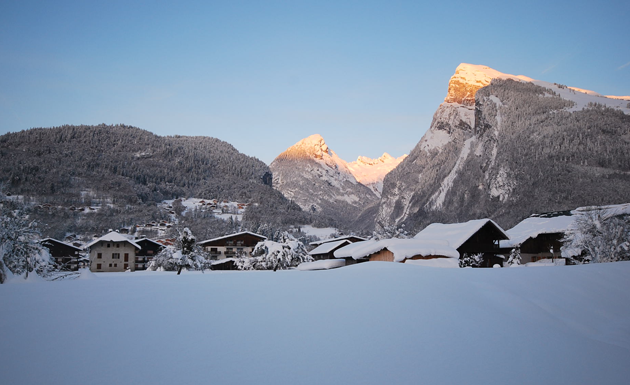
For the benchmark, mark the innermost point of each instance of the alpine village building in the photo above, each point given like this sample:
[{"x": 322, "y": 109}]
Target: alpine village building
[{"x": 113, "y": 252}]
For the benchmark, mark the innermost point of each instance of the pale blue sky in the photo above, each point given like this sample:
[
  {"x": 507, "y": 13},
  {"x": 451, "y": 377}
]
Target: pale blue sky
[{"x": 261, "y": 75}]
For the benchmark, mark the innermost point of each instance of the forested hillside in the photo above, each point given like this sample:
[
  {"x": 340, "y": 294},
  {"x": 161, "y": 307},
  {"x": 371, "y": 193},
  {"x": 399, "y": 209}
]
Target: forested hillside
[
  {"x": 125, "y": 171},
  {"x": 526, "y": 152}
]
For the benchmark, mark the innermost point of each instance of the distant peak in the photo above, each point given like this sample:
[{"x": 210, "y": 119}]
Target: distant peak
[{"x": 385, "y": 158}]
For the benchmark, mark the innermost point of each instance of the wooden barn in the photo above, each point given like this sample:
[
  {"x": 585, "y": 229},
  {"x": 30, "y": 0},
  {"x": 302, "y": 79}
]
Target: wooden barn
[
  {"x": 479, "y": 236},
  {"x": 65, "y": 255},
  {"x": 326, "y": 250},
  {"x": 233, "y": 245},
  {"x": 538, "y": 237}
]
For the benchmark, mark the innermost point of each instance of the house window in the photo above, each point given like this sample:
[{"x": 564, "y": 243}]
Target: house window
[
  {"x": 115, "y": 255},
  {"x": 150, "y": 252},
  {"x": 118, "y": 245},
  {"x": 126, "y": 257},
  {"x": 108, "y": 245},
  {"x": 110, "y": 265},
  {"x": 115, "y": 265},
  {"x": 126, "y": 266},
  {"x": 98, "y": 266},
  {"x": 214, "y": 250},
  {"x": 239, "y": 243},
  {"x": 230, "y": 243},
  {"x": 99, "y": 255}
]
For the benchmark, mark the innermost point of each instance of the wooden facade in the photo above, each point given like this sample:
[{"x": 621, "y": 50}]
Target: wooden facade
[
  {"x": 543, "y": 246},
  {"x": 65, "y": 255},
  {"x": 387, "y": 256},
  {"x": 486, "y": 242},
  {"x": 149, "y": 249}
]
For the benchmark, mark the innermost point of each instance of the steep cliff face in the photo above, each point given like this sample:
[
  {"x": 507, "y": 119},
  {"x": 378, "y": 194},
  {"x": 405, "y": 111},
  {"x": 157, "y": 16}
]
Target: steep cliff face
[
  {"x": 524, "y": 146},
  {"x": 314, "y": 177}
]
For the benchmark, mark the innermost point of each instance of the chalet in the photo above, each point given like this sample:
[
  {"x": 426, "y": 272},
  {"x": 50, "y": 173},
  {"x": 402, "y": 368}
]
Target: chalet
[
  {"x": 65, "y": 255},
  {"x": 399, "y": 250},
  {"x": 149, "y": 249},
  {"x": 538, "y": 237},
  {"x": 112, "y": 252},
  {"x": 326, "y": 250},
  {"x": 239, "y": 244},
  {"x": 479, "y": 236}
]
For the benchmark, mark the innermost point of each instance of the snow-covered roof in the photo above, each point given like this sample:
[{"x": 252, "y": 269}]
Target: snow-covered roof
[
  {"x": 324, "y": 264},
  {"x": 233, "y": 235},
  {"x": 533, "y": 226},
  {"x": 327, "y": 247},
  {"x": 456, "y": 233},
  {"x": 543, "y": 224},
  {"x": 58, "y": 241},
  {"x": 401, "y": 248},
  {"x": 150, "y": 240},
  {"x": 113, "y": 237},
  {"x": 607, "y": 211},
  {"x": 346, "y": 237}
]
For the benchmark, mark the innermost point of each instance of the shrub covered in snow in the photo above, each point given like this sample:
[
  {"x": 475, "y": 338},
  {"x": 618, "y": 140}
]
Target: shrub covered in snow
[
  {"x": 515, "y": 257},
  {"x": 20, "y": 251},
  {"x": 471, "y": 260},
  {"x": 269, "y": 255},
  {"x": 185, "y": 254},
  {"x": 596, "y": 238}
]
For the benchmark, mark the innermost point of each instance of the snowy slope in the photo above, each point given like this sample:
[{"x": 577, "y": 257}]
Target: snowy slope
[
  {"x": 371, "y": 172},
  {"x": 372, "y": 323}
]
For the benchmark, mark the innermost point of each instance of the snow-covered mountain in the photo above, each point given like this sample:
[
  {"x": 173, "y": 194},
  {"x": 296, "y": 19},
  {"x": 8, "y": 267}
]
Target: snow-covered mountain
[
  {"x": 371, "y": 172},
  {"x": 506, "y": 146},
  {"x": 316, "y": 178}
]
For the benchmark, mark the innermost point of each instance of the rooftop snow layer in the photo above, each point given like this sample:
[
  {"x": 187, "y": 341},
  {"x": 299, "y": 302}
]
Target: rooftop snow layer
[
  {"x": 327, "y": 247},
  {"x": 335, "y": 239},
  {"x": 455, "y": 233},
  {"x": 113, "y": 237},
  {"x": 324, "y": 264},
  {"x": 401, "y": 248},
  {"x": 232, "y": 235},
  {"x": 533, "y": 226}
]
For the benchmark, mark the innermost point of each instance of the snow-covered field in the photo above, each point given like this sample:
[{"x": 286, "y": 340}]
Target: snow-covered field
[{"x": 372, "y": 323}]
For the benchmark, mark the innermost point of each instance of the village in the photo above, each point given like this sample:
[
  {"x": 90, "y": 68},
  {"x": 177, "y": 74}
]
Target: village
[{"x": 536, "y": 241}]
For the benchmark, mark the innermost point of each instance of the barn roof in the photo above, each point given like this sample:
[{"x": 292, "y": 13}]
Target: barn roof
[
  {"x": 346, "y": 237},
  {"x": 233, "y": 235},
  {"x": 401, "y": 248},
  {"x": 149, "y": 240},
  {"x": 58, "y": 241},
  {"x": 113, "y": 237},
  {"x": 456, "y": 234},
  {"x": 327, "y": 247},
  {"x": 533, "y": 226}
]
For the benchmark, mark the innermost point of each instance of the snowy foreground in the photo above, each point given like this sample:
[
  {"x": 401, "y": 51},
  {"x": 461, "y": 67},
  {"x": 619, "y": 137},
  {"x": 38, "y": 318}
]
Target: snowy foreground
[{"x": 373, "y": 323}]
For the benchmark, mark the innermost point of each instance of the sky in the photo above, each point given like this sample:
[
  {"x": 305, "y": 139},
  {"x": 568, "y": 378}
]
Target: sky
[{"x": 262, "y": 75}]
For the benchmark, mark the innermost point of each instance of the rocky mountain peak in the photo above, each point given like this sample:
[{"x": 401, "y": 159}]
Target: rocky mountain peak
[
  {"x": 313, "y": 146},
  {"x": 468, "y": 78}
]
